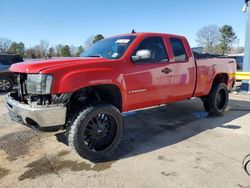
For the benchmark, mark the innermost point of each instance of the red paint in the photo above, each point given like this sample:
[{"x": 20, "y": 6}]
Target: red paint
[{"x": 141, "y": 85}]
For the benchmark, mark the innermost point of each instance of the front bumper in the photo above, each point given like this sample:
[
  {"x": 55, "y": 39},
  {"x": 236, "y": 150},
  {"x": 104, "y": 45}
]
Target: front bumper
[{"x": 36, "y": 116}]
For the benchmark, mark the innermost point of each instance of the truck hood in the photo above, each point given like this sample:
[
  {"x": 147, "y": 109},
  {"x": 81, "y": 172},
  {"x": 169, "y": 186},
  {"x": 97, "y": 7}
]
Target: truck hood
[{"x": 38, "y": 66}]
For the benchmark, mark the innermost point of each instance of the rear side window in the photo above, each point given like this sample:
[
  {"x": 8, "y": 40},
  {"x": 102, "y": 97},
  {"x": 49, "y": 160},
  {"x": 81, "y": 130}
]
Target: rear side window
[{"x": 178, "y": 49}]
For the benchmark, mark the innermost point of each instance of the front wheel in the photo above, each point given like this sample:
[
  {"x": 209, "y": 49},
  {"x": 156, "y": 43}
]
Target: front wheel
[
  {"x": 96, "y": 132},
  {"x": 216, "y": 102}
]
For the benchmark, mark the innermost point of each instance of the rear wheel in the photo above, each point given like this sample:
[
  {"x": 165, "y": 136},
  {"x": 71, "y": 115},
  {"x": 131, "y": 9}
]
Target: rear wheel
[
  {"x": 96, "y": 132},
  {"x": 6, "y": 84},
  {"x": 216, "y": 102}
]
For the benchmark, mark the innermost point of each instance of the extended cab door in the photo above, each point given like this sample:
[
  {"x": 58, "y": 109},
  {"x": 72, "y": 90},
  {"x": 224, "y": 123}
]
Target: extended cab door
[
  {"x": 184, "y": 68},
  {"x": 149, "y": 82}
]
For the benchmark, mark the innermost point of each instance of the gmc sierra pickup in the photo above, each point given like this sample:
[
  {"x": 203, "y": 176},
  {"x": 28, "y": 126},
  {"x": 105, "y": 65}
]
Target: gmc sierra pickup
[{"x": 88, "y": 95}]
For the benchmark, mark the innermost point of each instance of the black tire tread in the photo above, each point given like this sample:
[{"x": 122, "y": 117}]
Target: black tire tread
[
  {"x": 208, "y": 102},
  {"x": 73, "y": 129}
]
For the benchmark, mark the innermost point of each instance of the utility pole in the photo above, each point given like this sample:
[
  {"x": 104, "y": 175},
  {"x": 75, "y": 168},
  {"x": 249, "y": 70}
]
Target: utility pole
[
  {"x": 246, "y": 65},
  {"x": 238, "y": 46}
]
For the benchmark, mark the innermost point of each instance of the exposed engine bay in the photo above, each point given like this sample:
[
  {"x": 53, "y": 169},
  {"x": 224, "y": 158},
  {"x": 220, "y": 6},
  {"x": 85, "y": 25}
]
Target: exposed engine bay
[{"x": 21, "y": 94}]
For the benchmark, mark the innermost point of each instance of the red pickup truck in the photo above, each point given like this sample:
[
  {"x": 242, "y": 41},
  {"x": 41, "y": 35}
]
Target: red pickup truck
[{"x": 88, "y": 95}]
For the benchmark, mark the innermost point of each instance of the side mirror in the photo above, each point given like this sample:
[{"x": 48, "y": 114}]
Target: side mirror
[{"x": 142, "y": 55}]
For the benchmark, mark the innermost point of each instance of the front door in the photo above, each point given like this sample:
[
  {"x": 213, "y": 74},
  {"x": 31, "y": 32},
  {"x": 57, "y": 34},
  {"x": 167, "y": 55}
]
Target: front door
[{"x": 149, "y": 82}]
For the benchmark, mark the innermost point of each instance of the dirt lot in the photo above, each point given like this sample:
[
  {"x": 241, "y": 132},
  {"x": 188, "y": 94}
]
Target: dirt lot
[{"x": 171, "y": 146}]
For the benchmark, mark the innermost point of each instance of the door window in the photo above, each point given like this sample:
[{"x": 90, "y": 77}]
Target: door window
[
  {"x": 178, "y": 49},
  {"x": 157, "y": 48}
]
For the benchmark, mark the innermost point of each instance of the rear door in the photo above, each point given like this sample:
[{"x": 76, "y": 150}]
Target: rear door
[
  {"x": 184, "y": 69},
  {"x": 150, "y": 82}
]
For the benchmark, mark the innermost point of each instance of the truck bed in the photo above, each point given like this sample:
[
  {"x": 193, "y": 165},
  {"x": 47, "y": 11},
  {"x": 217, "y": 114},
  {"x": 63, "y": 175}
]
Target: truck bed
[
  {"x": 208, "y": 68},
  {"x": 207, "y": 55}
]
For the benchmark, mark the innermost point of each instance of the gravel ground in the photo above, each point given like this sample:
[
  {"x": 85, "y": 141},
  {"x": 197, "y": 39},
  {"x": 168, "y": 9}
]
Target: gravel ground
[{"x": 171, "y": 146}]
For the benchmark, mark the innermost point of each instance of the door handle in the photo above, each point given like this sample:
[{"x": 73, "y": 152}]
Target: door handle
[{"x": 166, "y": 70}]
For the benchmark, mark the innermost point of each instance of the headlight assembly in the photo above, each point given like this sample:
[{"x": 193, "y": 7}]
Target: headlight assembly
[{"x": 39, "y": 83}]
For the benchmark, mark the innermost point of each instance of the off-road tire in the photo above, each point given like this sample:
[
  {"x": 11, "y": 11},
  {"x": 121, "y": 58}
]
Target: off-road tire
[
  {"x": 216, "y": 102},
  {"x": 76, "y": 132}
]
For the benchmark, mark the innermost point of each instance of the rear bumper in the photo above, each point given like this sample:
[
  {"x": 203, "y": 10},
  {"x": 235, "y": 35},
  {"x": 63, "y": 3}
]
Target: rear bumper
[{"x": 36, "y": 116}]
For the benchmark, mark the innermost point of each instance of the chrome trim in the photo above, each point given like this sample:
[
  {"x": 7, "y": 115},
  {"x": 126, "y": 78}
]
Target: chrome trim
[{"x": 44, "y": 116}]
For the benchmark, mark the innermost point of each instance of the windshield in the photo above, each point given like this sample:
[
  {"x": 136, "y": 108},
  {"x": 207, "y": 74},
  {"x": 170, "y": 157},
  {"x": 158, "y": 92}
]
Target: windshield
[{"x": 110, "y": 48}]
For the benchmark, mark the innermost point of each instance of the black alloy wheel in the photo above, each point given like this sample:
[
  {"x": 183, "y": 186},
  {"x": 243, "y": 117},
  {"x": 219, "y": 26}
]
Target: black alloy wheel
[{"x": 96, "y": 132}]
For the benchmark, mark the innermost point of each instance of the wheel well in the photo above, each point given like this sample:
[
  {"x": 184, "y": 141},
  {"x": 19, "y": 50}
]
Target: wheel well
[
  {"x": 110, "y": 94},
  {"x": 97, "y": 94},
  {"x": 220, "y": 78}
]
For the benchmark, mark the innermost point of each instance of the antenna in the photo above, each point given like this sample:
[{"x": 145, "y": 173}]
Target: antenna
[{"x": 133, "y": 31}]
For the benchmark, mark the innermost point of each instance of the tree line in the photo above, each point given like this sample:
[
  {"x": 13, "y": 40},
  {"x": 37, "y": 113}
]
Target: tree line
[
  {"x": 213, "y": 39},
  {"x": 218, "y": 40},
  {"x": 44, "y": 50}
]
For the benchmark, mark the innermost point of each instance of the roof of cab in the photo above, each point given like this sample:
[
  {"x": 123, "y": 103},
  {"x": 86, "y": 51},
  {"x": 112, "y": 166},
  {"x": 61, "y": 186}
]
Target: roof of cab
[{"x": 147, "y": 34}]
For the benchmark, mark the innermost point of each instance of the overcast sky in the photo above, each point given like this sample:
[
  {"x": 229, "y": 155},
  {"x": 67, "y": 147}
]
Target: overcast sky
[{"x": 72, "y": 21}]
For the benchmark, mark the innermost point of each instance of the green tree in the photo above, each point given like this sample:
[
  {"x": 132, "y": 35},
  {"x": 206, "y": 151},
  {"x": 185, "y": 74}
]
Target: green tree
[
  {"x": 58, "y": 50},
  {"x": 218, "y": 49},
  {"x": 80, "y": 50},
  {"x": 97, "y": 38},
  {"x": 51, "y": 52},
  {"x": 13, "y": 48},
  {"x": 21, "y": 49},
  {"x": 65, "y": 51},
  {"x": 17, "y": 48},
  {"x": 228, "y": 37}
]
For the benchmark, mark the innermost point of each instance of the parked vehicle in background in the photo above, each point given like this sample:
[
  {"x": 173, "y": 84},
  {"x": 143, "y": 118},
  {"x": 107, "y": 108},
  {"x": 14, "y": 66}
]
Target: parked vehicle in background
[
  {"x": 7, "y": 78},
  {"x": 239, "y": 60},
  {"x": 87, "y": 95}
]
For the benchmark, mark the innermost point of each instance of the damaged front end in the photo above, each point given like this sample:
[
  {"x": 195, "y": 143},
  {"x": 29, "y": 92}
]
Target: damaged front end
[{"x": 33, "y": 105}]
